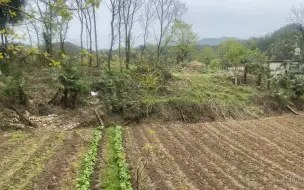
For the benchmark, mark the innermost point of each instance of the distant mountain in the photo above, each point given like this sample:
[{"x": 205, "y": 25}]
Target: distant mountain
[
  {"x": 70, "y": 48},
  {"x": 214, "y": 41}
]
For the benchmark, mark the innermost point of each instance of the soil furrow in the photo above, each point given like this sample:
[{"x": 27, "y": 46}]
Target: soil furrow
[
  {"x": 135, "y": 159},
  {"x": 229, "y": 169},
  {"x": 194, "y": 162},
  {"x": 276, "y": 140},
  {"x": 254, "y": 165},
  {"x": 22, "y": 154},
  {"x": 289, "y": 136},
  {"x": 155, "y": 171},
  {"x": 259, "y": 146},
  {"x": 266, "y": 139},
  {"x": 21, "y": 174},
  {"x": 179, "y": 175},
  {"x": 59, "y": 164}
]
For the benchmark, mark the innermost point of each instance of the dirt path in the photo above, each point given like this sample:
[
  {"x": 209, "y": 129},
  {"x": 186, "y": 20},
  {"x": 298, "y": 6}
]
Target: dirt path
[{"x": 253, "y": 154}]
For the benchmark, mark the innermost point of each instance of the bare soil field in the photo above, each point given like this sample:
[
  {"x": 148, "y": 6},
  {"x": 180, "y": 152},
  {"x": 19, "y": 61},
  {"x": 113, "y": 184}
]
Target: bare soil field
[{"x": 253, "y": 154}]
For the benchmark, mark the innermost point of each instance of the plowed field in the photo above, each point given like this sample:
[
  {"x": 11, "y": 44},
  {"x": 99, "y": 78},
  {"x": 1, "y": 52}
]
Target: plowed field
[
  {"x": 253, "y": 154},
  {"x": 42, "y": 159}
]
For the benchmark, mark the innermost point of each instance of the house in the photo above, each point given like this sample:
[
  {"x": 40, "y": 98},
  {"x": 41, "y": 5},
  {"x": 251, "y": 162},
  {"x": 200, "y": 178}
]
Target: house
[{"x": 279, "y": 68}]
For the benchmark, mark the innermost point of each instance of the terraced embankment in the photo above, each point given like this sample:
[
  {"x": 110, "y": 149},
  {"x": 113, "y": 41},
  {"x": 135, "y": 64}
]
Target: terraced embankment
[{"x": 253, "y": 154}]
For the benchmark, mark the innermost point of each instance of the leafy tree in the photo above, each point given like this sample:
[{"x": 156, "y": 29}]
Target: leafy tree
[
  {"x": 232, "y": 53},
  {"x": 256, "y": 64},
  {"x": 185, "y": 40},
  {"x": 215, "y": 64},
  {"x": 207, "y": 55}
]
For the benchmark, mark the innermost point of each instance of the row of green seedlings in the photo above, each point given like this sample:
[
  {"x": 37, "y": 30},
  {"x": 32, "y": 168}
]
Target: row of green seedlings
[
  {"x": 89, "y": 162},
  {"x": 120, "y": 157}
]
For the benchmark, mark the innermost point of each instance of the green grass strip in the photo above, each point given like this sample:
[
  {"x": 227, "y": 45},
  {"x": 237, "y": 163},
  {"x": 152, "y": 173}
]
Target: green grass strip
[
  {"x": 116, "y": 174},
  {"x": 89, "y": 162}
]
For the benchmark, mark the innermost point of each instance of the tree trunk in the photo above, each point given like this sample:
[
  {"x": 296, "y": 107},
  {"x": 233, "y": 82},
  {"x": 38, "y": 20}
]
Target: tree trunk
[
  {"x": 29, "y": 35},
  {"x": 80, "y": 14},
  {"x": 119, "y": 35},
  {"x": 259, "y": 80},
  {"x": 245, "y": 75},
  {"x": 95, "y": 30},
  {"x": 112, "y": 41}
]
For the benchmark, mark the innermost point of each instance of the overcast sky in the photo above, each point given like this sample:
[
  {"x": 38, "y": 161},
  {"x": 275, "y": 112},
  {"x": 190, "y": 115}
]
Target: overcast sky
[{"x": 212, "y": 18}]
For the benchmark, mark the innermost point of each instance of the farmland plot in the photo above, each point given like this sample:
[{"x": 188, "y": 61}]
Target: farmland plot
[
  {"x": 253, "y": 154},
  {"x": 41, "y": 159}
]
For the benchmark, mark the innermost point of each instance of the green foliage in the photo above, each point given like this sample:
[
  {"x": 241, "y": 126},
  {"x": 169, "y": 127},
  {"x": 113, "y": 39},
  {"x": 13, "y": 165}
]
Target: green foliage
[
  {"x": 185, "y": 40},
  {"x": 289, "y": 86},
  {"x": 14, "y": 15},
  {"x": 71, "y": 79},
  {"x": 297, "y": 86},
  {"x": 232, "y": 53},
  {"x": 215, "y": 64},
  {"x": 206, "y": 56},
  {"x": 89, "y": 162},
  {"x": 256, "y": 62},
  {"x": 14, "y": 88},
  {"x": 123, "y": 91},
  {"x": 281, "y": 43},
  {"x": 13, "y": 84},
  {"x": 118, "y": 90},
  {"x": 118, "y": 175}
]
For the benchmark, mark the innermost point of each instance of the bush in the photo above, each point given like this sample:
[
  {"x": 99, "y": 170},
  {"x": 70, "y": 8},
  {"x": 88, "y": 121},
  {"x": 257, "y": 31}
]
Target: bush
[
  {"x": 117, "y": 90},
  {"x": 14, "y": 88}
]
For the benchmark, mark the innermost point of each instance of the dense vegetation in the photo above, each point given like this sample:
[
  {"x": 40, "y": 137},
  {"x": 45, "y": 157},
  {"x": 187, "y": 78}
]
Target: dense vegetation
[{"x": 173, "y": 78}]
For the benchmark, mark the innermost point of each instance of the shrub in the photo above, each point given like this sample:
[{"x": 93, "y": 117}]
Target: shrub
[{"x": 14, "y": 88}]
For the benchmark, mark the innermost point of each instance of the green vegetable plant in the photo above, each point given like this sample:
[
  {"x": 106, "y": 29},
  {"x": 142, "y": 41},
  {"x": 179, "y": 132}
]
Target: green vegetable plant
[
  {"x": 89, "y": 162},
  {"x": 120, "y": 157}
]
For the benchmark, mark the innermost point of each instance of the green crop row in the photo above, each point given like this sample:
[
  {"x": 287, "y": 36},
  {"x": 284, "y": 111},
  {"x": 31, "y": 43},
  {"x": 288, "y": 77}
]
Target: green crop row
[
  {"x": 120, "y": 157},
  {"x": 89, "y": 162}
]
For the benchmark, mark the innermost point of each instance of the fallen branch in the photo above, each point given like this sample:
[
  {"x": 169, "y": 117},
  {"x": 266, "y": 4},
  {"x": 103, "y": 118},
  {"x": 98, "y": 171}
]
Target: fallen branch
[
  {"x": 99, "y": 118},
  {"x": 182, "y": 113},
  {"x": 23, "y": 117},
  {"x": 292, "y": 110},
  {"x": 52, "y": 101}
]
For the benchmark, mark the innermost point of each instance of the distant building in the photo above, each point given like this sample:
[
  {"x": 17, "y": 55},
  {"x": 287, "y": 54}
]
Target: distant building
[{"x": 292, "y": 67}]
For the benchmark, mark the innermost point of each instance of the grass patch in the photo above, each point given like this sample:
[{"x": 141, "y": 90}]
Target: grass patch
[
  {"x": 116, "y": 174},
  {"x": 216, "y": 87},
  {"x": 18, "y": 136}
]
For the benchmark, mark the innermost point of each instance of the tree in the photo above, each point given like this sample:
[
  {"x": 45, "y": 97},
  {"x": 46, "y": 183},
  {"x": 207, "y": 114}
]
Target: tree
[
  {"x": 207, "y": 55},
  {"x": 113, "y": 7},
  {"x": 129, "y": 9},
  {"x": 88, "y": 18},
  {"x": 256, "y": 64},
  {"x": 63, "y": 21},
  {"x": 95, "y": 4},
  {"x": 184, "y": 38},
  {"x": 167, "y": 12},
  {"x": 232, "y": 53},
  {"x": 215, "y": 64},
  {"x": 146, "y": 19},
  {"x": 10, "y": 13},
  {"x": 48, "y": 17}
]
